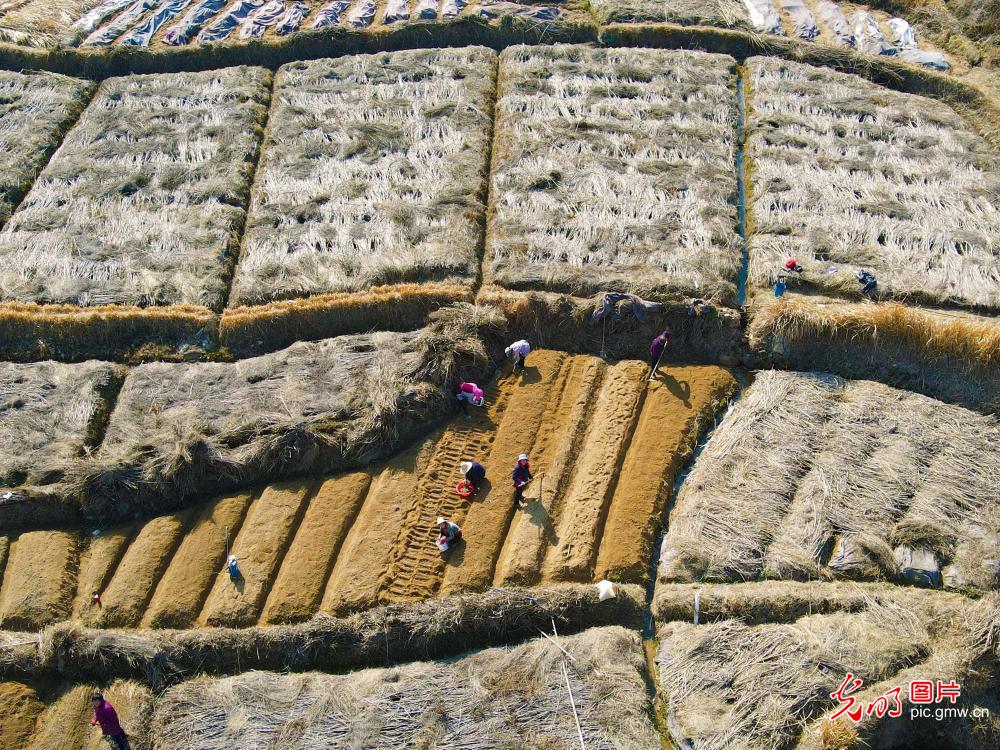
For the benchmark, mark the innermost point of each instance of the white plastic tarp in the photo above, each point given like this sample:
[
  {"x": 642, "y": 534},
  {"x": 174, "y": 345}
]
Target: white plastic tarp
[
  {"x": 764, "y": 16},
  {"x": 451, "y": 8},
  {"x": 901, "y": 33},
  {"x": 426, "y": 9},
  {"x": 329, "y": 14},
  {"x": 292, "y": 20},
  {"x": 224, "y": 25},
  {"x": 107, "y": 34},
  {"x": 182, "y": 31},
  {"x": 868, "y": 37},
  {"x": 916, "y": 56},
  {"x": 141, "y": 35},
  {"x": 257, "y": 22},
  {"x": 835, "y": 20},
  {"x": 396, "y": 10},
  {"x": 804, "y": 24},
  {"x": 362, "y": 14},
  {"x": 95, "y": 17}
]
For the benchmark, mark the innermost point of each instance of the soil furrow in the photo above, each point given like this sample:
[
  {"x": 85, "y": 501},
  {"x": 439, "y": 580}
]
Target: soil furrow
[
  {"x": 39, "y": 579},
  {"x": 98, "y": 562}
]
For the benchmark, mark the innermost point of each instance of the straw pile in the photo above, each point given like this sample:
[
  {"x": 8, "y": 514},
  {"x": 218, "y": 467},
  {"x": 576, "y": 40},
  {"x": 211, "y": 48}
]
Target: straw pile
[
  {"x": 811, "y": 476},
  {"x": 847, "y": 174},
  {"x": 143, "y": 201},
  {"x": 730, "y": 685},
  {"x": 185, "y": 430},
  {"x": 493, "y": 698},
  {"x": 372, "y": 174},
  {"x": 613, "y": 169},
  {"x": 35, "y": 110},
  {"x": 50, "y": 414},
  {"x": 951, "y": 357},
  {"x": 39, "y": 23},
  {"x": 725, "y": 13}
]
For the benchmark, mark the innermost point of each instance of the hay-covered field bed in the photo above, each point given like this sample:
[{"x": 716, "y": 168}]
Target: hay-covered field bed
[
  {"x": 811, "y": 476},
  {"x": 606, "y": 446},
  {"x": 845, "y": 174},
  {"x": 614, "y": 169}
]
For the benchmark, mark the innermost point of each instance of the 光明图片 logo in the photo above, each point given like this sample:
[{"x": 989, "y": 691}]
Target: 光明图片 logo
[{"x": 929, "y": 699}]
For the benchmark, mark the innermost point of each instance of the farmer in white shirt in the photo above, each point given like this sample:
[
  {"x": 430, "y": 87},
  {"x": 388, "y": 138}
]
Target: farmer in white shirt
[{"x": 519, "y": 350}]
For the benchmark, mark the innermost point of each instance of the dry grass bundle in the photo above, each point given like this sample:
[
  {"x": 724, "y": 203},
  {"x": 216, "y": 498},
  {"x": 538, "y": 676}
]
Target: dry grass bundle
[
  {"x": 951, "y": 358},
  {"x": 35, "y": 110},
  {"x": 181, "y": 431},
  {"x": 143, "y": 202},
  {"x": 847, "y": 174},
  {"x": 613, "y": 169},
  {"x": 372, "y": 174},
  {"x": 40, "y": 23},
  {"x": 725, "y": 13},
  {"x": 730, "y": 685},
  {"x": 492, "y": 698},
  {"x": 51, "y": 414},
  {"x": 813, "y": 476}
]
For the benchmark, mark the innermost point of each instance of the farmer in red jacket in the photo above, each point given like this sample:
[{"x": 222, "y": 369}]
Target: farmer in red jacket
[{"x": 107, "y": 717}]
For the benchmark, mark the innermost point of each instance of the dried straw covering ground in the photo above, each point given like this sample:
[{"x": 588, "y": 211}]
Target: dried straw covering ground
[
  {"x": 39, "y": 23},
  {"x": 606, "y": 447},
  {"x": 492, "y": 698},
  {"x": 733, "y": 685},
  {"x": 613, "y": 169},
  {"x": 181, "y": 431},
  {"x": 372, "y": 174},
  {"x": 35, "y": 110},
  {"x": 726, "y": 13},
  {"x": 950, "y": 356},
  {"x": 51, "y": 414},
  {"x": 143, "y": 202},
  {"x": 847, "y": 174},
  {"x": 811, "y": 476}
]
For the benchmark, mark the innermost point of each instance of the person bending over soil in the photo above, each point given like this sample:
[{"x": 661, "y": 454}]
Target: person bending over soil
[
  {"x": 474, "y": 473},
  {"x": 107, "y": 717},
  {"x": 521, "y": 476},
  {"x": 449, "y": 534},
  {"x": 519, "y": 350},
  {"x": 468, "y": 393}
]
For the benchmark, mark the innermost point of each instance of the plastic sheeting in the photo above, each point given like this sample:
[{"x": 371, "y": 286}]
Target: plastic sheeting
[
  {"x": 901, "y": 33},
  {"x": 534, "y": 12},
  {"x": 292, "y": 20},
  {"x": 95, "y": 17},
  {"x": 835, "y": 20},
  {"x": 257, "y": 22},
  {"x": 396, "y": 10},
  {"x": 451, "y": 8},
  {"x": 933, "y": 60},
  {"x": 764, "y": 16},
  {"x": 233, "y": 17},
  {"x": 182, "y": 31},
  {"x": 804, "y": 24},
  {"x": 142, "y": 35},
  {"x": 107, "y": 34},
  {"x": 329, "y": 14},
  {"x": 868, "y": 37},
  {"x": 426, "y": 9},
  {"x": 362, "y": 14}
]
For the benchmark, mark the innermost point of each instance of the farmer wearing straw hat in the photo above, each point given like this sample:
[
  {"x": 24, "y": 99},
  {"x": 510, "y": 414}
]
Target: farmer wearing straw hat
[
  {"x": 474, "y": 473},
  {"x": 519, "y": 350},
  {"x": 449, "y": 533},
  {"x": 521, "y": 476},
  {"x": 107, "y": 717}
]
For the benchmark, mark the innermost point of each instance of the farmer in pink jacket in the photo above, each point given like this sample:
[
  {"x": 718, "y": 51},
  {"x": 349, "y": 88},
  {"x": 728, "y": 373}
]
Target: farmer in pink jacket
[
  {"x": 107, "y": 717},
  {"x": 656, "y": 347}
]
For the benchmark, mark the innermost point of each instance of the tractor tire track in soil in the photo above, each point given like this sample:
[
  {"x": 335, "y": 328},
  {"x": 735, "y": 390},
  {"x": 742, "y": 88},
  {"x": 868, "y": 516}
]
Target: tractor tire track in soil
[{"x": 605, "y": 446}]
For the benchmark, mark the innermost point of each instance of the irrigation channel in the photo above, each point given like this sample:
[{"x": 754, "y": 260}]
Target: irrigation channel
[
  {"x": 650, "y": 644},
  {"x": 741, "y": 183}
]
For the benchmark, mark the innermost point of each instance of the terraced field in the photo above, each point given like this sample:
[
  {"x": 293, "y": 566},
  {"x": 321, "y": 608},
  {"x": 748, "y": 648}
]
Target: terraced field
[{"x": 606, "y": 445}]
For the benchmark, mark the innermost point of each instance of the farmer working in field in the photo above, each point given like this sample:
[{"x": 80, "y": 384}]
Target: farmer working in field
[
  {"x": 867, "y": 281},
  {"x": 793, "y": 266},
  {"x": 449, "y": 534},
  {"x": 468, "y": 393},
  {"x": 233, "y": 568},
  {"x": 519, "y": 350},
  {"x": 522, "y": 476},
  {"x": 474, "y": 473},
  {"x": 107, "y": 717},
  {"x": 656, "y": 347}
]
